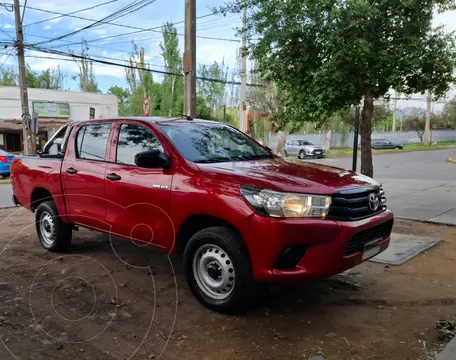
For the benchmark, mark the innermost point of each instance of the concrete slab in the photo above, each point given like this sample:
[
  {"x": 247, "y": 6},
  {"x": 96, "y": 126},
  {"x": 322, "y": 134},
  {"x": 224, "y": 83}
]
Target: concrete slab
[
  {"x": 446, "y": 218},
  {"x": 404, "y": 247},
  {"x": 449, "y": 352}
]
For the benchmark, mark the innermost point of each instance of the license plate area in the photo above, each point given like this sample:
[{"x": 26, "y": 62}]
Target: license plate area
[{"x": 372, "y": 248}]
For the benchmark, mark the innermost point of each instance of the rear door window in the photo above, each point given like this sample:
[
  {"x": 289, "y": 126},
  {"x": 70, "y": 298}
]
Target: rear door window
[{"x": 91, "y": 141}]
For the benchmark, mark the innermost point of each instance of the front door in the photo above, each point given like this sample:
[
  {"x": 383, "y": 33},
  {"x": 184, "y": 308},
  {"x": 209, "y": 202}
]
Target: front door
[
  {"x": 139, "y": 196},
  {"x": 83, "y": 175}
]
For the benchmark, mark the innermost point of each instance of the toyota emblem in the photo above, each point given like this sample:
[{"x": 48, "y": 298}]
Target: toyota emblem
[{"x": 373, "y": 202}]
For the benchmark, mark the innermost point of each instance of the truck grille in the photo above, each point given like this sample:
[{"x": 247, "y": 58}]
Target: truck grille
[
  {"x": 355, "y": 204},
  {"x": 356, "y": 244}
]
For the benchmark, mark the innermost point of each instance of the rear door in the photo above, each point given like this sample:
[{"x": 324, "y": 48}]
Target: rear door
[
  {"x": 140, "y": 196},
  {"x": 83, "y": 175}
]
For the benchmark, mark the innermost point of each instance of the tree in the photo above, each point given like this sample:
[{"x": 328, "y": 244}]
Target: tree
[
  {"x": 213, "y": 92},
  {"x": 86, "y": 76},
  {"x": 53, "y": 76},
  {"x": 264, "y": 99},
  {"x": 173, "y": 85},
  {"x": 123, "y": 96},
  {"x": 447, "y": 119},
  {"x": 326, "y": 56},
  {"x": 8, "y": 77},
  {"x": 416, "y": 124},
  {"x": 140, "y": 81}
]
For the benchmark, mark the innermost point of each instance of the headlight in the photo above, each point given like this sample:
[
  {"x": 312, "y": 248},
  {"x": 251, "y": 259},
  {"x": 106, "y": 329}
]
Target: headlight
[{"x": 289, "y": 205}]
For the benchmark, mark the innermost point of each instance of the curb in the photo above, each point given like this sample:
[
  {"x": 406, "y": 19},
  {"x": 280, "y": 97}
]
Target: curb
[
  {"x": 380, "y": 152},
  {"x": 449, "y": 352},
  {"x": 424, "y": 221},
  {"x": 452, "y": 160}
]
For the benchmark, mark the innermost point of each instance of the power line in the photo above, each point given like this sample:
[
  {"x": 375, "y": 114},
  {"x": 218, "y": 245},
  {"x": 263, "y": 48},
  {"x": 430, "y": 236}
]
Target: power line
[
  {"x": 132, "y": 7},
  {"x": 4, "y": 32},
  {"x": 7, "y": 57},
  {"x": 81, "y": 57},
  {"x": 139, "y": 29},
  {"x": 63, "y": 15},
  {"x": 101, "y": 47}
]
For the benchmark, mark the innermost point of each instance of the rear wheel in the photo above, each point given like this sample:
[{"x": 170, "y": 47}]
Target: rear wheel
[
  {"x": 53, "y": 233},
  {"x": 219, "y": 271},
  {"x": 302, "y": 154}
]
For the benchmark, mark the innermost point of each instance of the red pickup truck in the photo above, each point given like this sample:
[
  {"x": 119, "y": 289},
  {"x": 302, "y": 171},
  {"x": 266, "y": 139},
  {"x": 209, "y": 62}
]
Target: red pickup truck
[{"x": 239, "y": 215}]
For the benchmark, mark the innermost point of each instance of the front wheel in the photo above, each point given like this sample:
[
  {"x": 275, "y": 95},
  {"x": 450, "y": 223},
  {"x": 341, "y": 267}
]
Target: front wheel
[
  {"x": 53, "y": 233},
  {"x": 219, "y": 271},
  {"x": 302, "y": 155}
]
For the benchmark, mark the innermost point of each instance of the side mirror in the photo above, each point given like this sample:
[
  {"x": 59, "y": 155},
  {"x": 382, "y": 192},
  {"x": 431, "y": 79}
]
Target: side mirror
[{"x": 152, "y": 159}]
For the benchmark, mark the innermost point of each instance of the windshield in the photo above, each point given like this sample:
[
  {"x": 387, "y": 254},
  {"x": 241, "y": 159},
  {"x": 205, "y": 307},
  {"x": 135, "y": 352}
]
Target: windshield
[
  {"x": 307, "y": 142},
  {"x": 211, "y": 142}
]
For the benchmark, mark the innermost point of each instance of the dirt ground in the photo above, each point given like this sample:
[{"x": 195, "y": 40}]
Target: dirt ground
[{"x": 118, "y": 300}]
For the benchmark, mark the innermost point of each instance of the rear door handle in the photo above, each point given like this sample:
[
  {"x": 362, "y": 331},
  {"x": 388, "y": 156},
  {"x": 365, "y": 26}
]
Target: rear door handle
[
  {"x": 71, "y": 170},
  {"x": 113, "y": 177}
]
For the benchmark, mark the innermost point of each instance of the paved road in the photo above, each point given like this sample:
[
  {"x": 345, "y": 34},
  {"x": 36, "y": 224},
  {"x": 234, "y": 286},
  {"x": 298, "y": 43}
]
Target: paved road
[
  {"x": 419, "y": 185},
  {"x": 6, "y": 192}
]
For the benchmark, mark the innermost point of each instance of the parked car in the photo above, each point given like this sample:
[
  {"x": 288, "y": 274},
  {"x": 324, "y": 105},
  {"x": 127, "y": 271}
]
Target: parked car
[
  {"x": 5, "y": 163},
  {"x": 239, "y": 215},
  {"x": 381, "y": 144},
  {"x": 304, "y": 149}
]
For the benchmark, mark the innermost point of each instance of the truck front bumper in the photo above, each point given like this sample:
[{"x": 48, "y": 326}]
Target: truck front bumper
[{"x": 312, "y": 249}]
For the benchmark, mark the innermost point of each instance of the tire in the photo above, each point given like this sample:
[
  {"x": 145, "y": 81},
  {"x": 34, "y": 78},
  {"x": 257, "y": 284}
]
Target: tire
[
  {"x": 286, "y": 154},
  {"x": 222, "y": 248},
  {"x": 53, "y": 233},
  {"x": 302, "y": 155}
]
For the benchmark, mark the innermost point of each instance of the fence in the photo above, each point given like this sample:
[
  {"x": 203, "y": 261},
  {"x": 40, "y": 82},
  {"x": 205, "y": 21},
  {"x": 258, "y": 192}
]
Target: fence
[{"x": 345, "y": 140}]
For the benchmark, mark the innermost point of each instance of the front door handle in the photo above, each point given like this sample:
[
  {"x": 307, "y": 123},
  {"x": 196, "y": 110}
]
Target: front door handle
[
  {"x": 71, "y": 170},
  {"x": 113, "y": 177}
]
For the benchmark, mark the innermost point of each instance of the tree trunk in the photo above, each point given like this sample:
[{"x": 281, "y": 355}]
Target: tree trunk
[
  {"x": 281, "y": 143},
  {"x": 328, "y": 139},
  {"x": 367, "y": 167}
]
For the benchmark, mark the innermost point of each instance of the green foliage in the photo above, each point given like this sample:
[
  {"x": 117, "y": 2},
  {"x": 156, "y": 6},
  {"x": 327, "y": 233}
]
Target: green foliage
[
  {"x": 86, "y": 76},
  {"x": 123, "y": 96},
  {"x": 328, "y": 55},
  {"x": 8, "y": 77},
  {"x": 172, "y": 100},
  {"x": 447, "y": 120},
  {"x": 416, "y": 124},
  {"x": 212, "y": 92},
  {"x": 54, "y": 77},
  {"x": 202, "y": 110}
]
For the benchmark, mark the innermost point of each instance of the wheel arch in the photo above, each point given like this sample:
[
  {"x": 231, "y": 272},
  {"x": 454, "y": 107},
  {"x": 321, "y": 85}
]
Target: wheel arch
[
  {"x": 196, "y": 222},
  {"x": 39, "y": 195}
]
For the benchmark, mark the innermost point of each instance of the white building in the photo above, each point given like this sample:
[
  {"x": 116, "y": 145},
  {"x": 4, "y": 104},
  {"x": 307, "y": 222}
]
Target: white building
[{"x": 54, "y": 108}]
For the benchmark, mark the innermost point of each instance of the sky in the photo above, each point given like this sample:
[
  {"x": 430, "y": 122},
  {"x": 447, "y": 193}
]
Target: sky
[{"x": 118, "y": 48}]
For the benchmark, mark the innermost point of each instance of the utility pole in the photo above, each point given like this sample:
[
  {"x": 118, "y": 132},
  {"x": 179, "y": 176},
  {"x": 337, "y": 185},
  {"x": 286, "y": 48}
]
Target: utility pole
[
  {"x": 28, "y": 136},
  {"x": 394, "y": 111},
  {"x": 427, "y": 125},
  {"x": 242, "y": 105},
  {"x": 190, "y": 59}
]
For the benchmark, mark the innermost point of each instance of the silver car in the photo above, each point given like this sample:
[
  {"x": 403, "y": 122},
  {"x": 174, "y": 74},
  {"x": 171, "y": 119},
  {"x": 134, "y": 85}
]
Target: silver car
[{"x": 304, "y": 149}]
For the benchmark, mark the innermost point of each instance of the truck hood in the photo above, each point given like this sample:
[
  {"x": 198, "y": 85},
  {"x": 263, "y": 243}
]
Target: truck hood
[{"x": 278, "y": 174}]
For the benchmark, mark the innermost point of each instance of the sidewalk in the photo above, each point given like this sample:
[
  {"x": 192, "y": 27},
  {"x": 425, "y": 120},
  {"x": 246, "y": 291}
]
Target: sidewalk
[
  {"x": 424, "y": 200},
  {"x": 449, "y": 352}
]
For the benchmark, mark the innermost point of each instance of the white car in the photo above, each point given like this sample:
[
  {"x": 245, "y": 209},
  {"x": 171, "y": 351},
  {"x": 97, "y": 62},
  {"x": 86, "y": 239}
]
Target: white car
[{"x": 304, "y": 149}]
